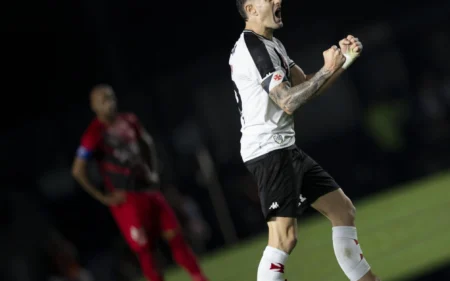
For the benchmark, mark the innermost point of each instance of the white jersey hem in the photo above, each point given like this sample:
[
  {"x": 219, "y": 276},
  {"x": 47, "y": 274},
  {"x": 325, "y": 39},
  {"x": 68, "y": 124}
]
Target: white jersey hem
[{"x": 267, "y": 151}]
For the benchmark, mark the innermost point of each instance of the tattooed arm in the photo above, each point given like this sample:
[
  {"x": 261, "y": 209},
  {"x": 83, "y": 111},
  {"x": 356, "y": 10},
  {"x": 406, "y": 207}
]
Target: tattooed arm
[
  {"x": 330, "y": 81},
  {"x": 291, "y": 98},
  {"x": 298, "y": 77},
  {"x": 349, "y": 45}
]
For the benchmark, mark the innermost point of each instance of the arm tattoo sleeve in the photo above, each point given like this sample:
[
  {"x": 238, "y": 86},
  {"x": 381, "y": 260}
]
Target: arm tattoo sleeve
[{"x": 289, "y": 99}]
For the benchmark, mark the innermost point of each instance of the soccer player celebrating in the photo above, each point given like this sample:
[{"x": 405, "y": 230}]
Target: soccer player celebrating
[
  {"x": 127, "y": 160},
  {"x": 269, "y": 88}
]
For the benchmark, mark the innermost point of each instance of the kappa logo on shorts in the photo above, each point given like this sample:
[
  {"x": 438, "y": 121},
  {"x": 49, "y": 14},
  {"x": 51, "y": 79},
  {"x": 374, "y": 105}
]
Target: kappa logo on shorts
[
  {"x": 302, "y": 199},
  {"x": 278, "y": 138},
  {"x": 274, "y": 206}
]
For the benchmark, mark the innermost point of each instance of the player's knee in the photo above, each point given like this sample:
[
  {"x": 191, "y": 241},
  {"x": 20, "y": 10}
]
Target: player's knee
[
  {"x": 139, "y": 240},
  {"x": 351, "y": 211},
  {"x": 286, "y": 243},
  {"x": 171, "y": 234},
  {"x": 291, "y": 242},
  {"x": 347, "y": 212},
  {"x": 343, "y": 213}
]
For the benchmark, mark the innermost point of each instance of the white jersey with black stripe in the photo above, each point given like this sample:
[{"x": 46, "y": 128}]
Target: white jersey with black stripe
[{"x": 257, "y": 65}]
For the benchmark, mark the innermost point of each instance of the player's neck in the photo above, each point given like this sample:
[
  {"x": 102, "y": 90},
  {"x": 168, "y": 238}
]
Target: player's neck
[
  {"x": 260, "y": 30},
  {"x": 107, "y": 120}
]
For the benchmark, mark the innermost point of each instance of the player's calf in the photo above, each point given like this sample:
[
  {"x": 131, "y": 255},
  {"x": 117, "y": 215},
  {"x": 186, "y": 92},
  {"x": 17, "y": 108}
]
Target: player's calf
[
  {"x": 142, "y": 245},
  {"x": 338, "y": 208},
  {"x": 283, "y": 233},
  {"x": 183, "y": 255}
]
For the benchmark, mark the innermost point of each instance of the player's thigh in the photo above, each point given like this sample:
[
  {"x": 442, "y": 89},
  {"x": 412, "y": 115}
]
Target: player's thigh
[
  {"x": 316, "y": 183},
  {"x": 130, "y": 224},
  {"x": 276, "y": 179},
  {"x": 336, "y": 206}
]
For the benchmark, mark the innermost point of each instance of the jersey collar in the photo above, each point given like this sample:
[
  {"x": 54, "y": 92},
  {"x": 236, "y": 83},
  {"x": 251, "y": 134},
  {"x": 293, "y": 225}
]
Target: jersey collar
[{"x": 251, "y": 31}]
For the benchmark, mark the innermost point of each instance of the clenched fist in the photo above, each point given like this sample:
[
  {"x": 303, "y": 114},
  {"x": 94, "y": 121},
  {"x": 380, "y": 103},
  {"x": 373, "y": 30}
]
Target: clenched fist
[
  {"x": 351, "y": 46},
  {"x": 333, "y": 58}
]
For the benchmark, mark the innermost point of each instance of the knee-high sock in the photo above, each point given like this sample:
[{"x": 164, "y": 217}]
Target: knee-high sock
[
  {"x": 271, "y": 267},
  {"x": 348, "y": 252}
]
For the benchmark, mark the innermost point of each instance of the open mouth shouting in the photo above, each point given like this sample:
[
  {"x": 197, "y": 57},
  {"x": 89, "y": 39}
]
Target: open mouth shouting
[{"x": 277, "y": 15}]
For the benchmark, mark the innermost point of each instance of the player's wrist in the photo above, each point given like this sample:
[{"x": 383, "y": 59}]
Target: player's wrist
[
  {"x": 350, "y": 58},
  {"x": 327, "y": 70},
  {"x": 348, "y": 61}
]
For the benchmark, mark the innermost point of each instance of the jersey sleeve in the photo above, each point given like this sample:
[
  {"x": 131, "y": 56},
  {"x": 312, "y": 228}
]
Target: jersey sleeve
[
  {"x": 90, "y": 141},
  {"x": 290, "y": 61},
  {"x": 271, "y": 74},
  {"x": 274, "y": 79}
]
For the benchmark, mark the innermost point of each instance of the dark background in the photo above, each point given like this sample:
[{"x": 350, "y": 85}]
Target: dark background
[{"x": 385, "y": 122}]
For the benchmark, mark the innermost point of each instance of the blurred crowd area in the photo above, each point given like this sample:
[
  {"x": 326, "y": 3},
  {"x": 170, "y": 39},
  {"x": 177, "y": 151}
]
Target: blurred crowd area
[{"x": 386, "y": 122}]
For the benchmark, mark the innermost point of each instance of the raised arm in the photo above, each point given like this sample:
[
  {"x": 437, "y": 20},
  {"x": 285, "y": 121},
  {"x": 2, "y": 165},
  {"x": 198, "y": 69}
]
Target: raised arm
[
  {"x": 290, "y": 98},
  {"x": 351, "y": 47}
]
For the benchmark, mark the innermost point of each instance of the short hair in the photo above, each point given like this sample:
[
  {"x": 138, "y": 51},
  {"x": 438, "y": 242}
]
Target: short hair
[
  {"x": 240, "y": 4},
  {"x": 102, "y": 86}
]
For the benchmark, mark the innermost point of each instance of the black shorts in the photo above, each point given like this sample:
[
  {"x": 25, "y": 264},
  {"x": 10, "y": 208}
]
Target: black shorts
[{"x": 289, "y": 181}]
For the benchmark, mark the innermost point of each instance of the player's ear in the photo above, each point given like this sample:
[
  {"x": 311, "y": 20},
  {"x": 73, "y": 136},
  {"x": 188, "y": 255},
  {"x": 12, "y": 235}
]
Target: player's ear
[
  {"x": 92, "y": 97},
  {"x": 93, "y": 104},
  {"x": 250, "y": 8}
]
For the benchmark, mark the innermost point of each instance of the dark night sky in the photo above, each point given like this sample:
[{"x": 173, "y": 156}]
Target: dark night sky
[{"x": 54, "y": 53}]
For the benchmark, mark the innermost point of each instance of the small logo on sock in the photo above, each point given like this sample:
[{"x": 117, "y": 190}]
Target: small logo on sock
[{"x": 277, "y": 267}]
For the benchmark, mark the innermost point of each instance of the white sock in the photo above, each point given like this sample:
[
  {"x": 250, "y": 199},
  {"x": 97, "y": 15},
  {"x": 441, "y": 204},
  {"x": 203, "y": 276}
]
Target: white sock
[
  {"x": 348, "y": 252},
  {"x": 271, "y": 267}
]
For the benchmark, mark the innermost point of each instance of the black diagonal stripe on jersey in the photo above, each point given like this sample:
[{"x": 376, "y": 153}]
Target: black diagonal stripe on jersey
[
  {"x": 259, "y": 54},
  {"x": 266, "y": 83},
  {"x": 283, "y": 62}
]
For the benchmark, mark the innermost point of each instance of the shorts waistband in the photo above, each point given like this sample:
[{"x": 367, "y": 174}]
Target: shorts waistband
[{"x": 251, "y": 161}]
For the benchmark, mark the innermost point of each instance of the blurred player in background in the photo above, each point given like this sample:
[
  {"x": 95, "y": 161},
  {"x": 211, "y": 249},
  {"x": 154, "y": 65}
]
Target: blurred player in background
[
  {"x": 126, "y": 156},
  {"x": 269, "y": 88},
  {"x": 196, "y": 229}
]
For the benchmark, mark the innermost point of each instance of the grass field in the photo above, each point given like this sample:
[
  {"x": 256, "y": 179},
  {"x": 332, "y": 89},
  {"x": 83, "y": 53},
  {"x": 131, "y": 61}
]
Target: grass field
[{"x": 403, "y": 232}]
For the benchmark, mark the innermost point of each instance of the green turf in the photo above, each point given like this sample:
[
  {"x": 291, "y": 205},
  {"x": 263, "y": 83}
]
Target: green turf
[{"x": 403, "y": 232}]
